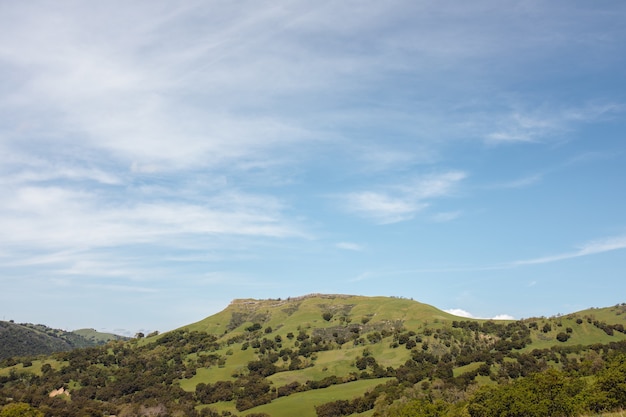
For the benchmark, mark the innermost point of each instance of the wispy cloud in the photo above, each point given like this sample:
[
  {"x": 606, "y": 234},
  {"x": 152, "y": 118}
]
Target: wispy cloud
[
  {"x": 446, "y": 216},
  {"x": 349, "y": 246},
  {"x": 594, "y": 247},
  {"x": 152, "y": 140},
  {"x": 122, "y": 288},
  {"x": 519, "y": 183},
  {"x": 64, "y": 218},
  {"x": 362, "y": 277},
  {"x": 402, "y": 202},
  {"x": 543, "y": 124},
  {"x": 591, "y": 248},
  {"x": 381, "y": 207}
]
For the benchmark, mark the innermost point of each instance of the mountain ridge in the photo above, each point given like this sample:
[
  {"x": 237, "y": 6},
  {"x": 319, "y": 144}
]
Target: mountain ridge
[{"x": 28, "y": 339}]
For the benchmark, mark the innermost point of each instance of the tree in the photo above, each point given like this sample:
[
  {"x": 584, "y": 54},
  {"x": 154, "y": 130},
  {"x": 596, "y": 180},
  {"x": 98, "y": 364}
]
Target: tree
[
  {"x": 46, "y": 368},
  {"x": 612, "y": 381},
  {"x": 545, "y": 394},
  {"x": 562, "y": 337},
  {"x": 20, "y": 410},
  {"x": 418, "y": 407}
]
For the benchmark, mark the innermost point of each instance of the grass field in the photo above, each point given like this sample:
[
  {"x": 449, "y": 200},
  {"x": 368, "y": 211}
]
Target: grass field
[
  {"x": 303, "y": 404},
  {"x": 35, "y": 368}
]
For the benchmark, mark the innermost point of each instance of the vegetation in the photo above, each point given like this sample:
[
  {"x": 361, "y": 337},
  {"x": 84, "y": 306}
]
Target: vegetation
[
  {"x": 34, "y": 339},
  {"x": 326, "y": 355}
]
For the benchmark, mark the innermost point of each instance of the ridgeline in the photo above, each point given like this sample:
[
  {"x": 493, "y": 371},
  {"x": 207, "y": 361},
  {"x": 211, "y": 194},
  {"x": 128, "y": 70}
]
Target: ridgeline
[{"x": 26, "y": 339}]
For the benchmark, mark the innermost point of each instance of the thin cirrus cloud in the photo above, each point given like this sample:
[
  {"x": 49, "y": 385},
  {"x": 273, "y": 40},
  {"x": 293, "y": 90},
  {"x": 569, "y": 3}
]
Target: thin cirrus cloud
[
  {"x": 402, "y": 202},
  {"x": 591, "y": 248},
  {"x": 446, "y": 216},
  {"x": 64, "y": 219},
  {"x": 546, "y": 124},
  {"x": 118, "y": 96},
  {"x": 349, "y": 246}
]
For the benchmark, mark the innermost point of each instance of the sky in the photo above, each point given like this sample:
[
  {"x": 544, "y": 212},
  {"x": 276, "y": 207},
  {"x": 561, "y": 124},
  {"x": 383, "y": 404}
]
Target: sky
[{"x": 161, "y": 158}]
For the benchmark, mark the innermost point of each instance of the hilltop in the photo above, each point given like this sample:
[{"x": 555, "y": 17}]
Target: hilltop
[
  {"x": 325, "y": 310},
  {"x": 333, "y": 355}
]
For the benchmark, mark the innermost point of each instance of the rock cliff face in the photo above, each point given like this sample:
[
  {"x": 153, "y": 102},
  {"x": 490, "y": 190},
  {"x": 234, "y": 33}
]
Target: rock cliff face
[{"x": 57, "y": 392}]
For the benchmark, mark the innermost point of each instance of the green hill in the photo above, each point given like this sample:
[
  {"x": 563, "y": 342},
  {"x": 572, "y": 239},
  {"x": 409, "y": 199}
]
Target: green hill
[
  {"x": 331, "y": 355},
  {"x": 26, "y": 339},
  {"x": 98, "y": 338}
]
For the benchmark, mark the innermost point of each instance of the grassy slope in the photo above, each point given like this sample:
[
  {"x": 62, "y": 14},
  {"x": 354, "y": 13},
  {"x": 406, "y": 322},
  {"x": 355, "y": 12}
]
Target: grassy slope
[
  {"x": 584, "y": 333},
  {"x": 306, "y": 312},
  {"x": 98, "y": 337},
  {"x": 303, "y": 404},
  {"x": 35, "y": 368}
]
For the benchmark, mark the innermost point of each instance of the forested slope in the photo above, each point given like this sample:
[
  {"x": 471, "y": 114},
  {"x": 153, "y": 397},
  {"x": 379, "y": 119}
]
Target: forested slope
[{"x": 27, "y": 339}]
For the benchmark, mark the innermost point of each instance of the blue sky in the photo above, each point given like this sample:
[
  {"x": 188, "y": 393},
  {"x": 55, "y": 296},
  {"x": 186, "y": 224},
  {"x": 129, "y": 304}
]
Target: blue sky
[{"x": 158, "y": 159}]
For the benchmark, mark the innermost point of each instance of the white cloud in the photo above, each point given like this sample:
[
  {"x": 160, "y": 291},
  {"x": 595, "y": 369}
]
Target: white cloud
[
  {"x": 462, "y": 313},
  {"x": 54, "y": 225},
  {"x": 349, "y": 246},
  {"x": 381, "y": 207},
  {"x": 503, "y": 317},
  {"x": 402, "y": 202},
  {"x": 459, "y": 312}
]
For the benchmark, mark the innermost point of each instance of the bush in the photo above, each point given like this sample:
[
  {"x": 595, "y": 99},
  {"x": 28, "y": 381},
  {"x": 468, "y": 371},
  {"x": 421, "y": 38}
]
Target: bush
[{"x": 562, "y": 337}]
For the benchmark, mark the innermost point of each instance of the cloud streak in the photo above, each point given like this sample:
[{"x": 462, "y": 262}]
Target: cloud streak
[
  {"x": 591, "y": 248},
  {"x": 544, "y": 124},
  {"x": 402, "y": 202},
  {"x": 349, "y": 246}
]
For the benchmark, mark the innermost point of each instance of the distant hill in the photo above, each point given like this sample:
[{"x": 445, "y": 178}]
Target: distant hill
[
  {"x": 98, "y": 338},
  {"x": 324, "y": 355},
  {"x": 25, "y": 339}
]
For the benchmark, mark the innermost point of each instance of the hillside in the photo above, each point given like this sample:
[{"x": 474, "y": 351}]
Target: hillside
[
  {"x": 27, "y": 339},
  {"x": 333, "y": 355},
  {"x": 96, "y": 338}
]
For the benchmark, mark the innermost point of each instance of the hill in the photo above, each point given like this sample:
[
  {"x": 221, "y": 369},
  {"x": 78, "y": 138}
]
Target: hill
[
  {"x": 96, "y": 338},
  {"x": 334, "y": 355},
  {"x": 27, "y": 339}
]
